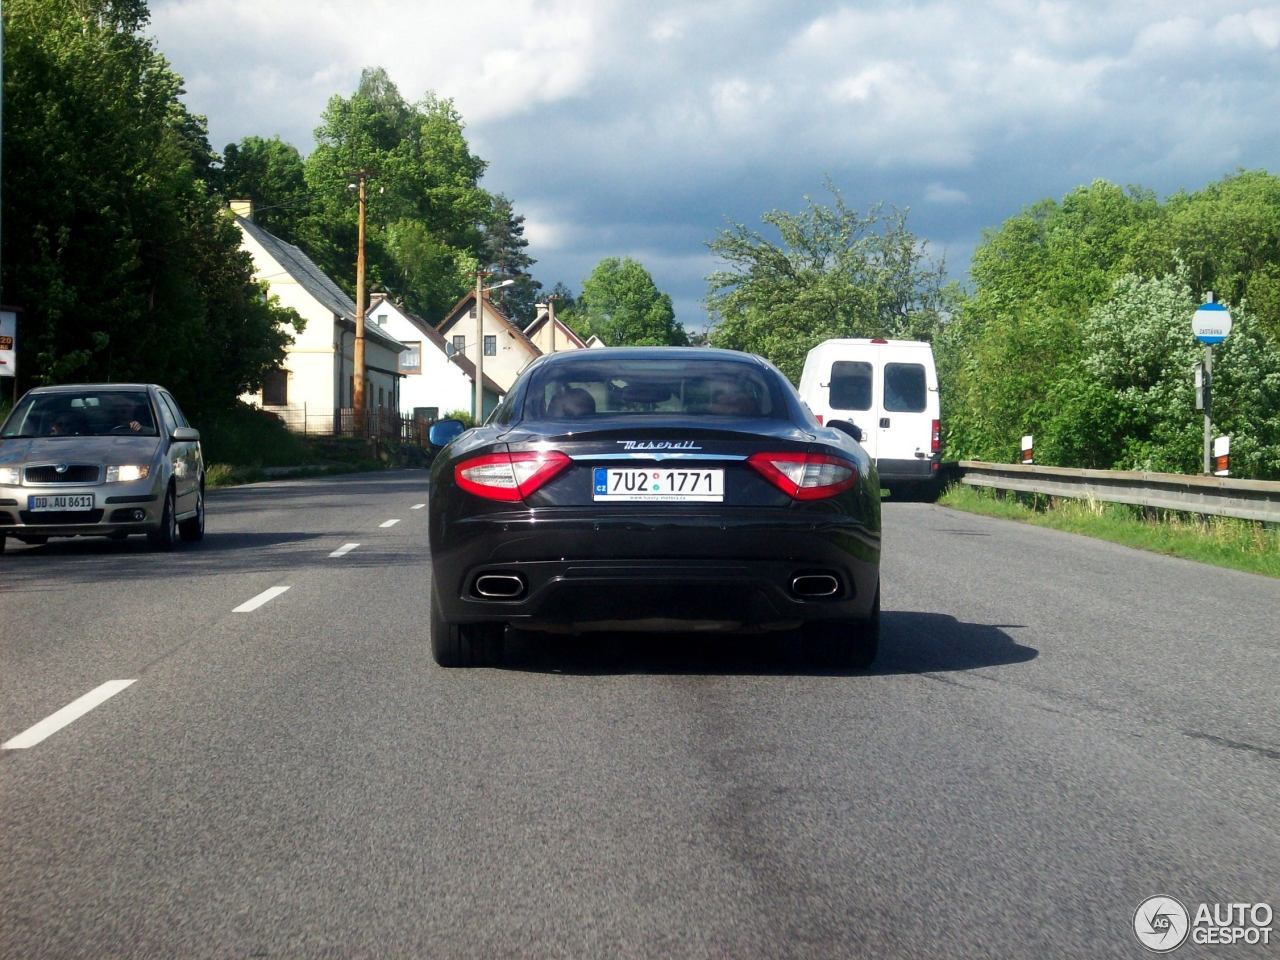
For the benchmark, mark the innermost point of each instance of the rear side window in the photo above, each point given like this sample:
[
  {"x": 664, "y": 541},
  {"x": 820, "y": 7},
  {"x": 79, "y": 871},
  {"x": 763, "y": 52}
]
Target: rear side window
[
  {"x": 904, "y": 388},
  {"x": 850, "y": 385},
  {"x": 686, "y": 384}
]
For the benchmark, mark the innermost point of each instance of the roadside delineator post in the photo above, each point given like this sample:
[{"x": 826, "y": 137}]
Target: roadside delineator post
[
  {"x": 1027, "y": 453},
  {"x": 1222, "y": 457}
]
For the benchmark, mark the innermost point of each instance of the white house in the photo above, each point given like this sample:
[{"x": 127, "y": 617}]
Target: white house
[
  {"x": 436, "y": 380},
  {"x": 507, "y": 350},
  {"x": 317, "y": 379}
]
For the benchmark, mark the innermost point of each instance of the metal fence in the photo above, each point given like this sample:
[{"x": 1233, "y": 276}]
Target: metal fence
[
  {"x": 1217, "y": 496},
  {"x": 380, "y": 424}
]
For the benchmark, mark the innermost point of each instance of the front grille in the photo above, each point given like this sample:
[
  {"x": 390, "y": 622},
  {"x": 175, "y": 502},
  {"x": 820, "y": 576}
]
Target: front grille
[
  {"x": 51, "y": 518},
  {"x": 75, "y": 473}
]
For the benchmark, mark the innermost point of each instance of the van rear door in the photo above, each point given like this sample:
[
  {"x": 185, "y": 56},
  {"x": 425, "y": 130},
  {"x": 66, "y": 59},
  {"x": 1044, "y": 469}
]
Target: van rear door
[
  {"x": 905, "y": 427},
  {"x": 851, "y": 394}
]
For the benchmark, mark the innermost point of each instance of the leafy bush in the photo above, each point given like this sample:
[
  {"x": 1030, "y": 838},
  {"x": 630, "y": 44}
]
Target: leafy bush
[{"x": 248, "y": 437}]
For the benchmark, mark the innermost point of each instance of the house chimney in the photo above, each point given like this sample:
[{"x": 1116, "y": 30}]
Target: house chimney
[{"x": 242, "y": 208}]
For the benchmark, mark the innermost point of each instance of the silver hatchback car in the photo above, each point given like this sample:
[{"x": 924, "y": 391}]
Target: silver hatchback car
[{"x": 100, "y": 460}]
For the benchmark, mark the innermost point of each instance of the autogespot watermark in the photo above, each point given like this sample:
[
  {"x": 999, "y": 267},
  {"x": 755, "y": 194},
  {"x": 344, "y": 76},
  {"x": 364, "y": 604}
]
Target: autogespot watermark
[{"x": 1162, "y": 924}]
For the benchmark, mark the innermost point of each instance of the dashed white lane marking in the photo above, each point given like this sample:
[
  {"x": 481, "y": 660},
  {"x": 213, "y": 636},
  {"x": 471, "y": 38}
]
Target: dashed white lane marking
[
  {"x": 389, "y": 523},
  {"x": 71, "y": 712},
  {"x": 344, "y": 549},
  {"x": 260, "y": 599},
  {"x": 417, "y": 506}
]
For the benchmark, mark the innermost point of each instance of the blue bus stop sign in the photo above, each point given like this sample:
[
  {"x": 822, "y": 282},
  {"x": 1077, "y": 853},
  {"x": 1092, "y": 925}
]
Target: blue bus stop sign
[{"x": 1211, "y": 323}]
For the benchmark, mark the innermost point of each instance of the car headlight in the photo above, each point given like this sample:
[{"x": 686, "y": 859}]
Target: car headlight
[
  {"x": 126, "y": 473},
  {"x": 11, "y": 476}
]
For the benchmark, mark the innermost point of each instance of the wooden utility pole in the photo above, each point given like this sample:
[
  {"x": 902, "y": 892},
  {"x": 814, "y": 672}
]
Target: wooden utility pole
[
  {"x": 479, "y": 347},
  {"x": 357, "y": 364},
  {"x": 551, "y": 316}
]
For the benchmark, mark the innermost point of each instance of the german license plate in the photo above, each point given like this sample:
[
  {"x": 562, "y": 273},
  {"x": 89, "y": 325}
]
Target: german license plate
[
  {"x": 665, "y": 485},
  {"x": 71, "y": 501}
]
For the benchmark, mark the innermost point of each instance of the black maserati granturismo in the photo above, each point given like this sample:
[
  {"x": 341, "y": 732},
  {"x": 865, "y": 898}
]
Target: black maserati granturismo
[{"x": 653, "y": 489}]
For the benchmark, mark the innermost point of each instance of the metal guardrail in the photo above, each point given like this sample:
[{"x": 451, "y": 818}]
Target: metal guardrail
[{"x": 1219, "y": 496}]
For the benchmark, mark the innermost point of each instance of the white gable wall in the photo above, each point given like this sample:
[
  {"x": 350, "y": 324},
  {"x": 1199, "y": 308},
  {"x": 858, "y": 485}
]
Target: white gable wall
[
  {"x": 316, "y": 379},
  {"x": 442, "y": 383}
]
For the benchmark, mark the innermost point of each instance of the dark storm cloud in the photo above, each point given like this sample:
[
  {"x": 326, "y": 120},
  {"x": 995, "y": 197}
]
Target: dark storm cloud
[{"x": 637, "y": 128}]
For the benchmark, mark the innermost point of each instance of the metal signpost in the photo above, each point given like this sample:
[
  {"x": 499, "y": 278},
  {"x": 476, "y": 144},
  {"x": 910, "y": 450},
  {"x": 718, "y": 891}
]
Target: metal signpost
[{"x": 1211, "y": 324}]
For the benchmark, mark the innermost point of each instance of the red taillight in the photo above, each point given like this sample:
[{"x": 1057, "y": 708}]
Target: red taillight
[
  {"x": 805, "y": 476},
  {"x": 509, "y": 476},
  {"x": 935, "y": 438},
  {"x": 818, "y": 417}
]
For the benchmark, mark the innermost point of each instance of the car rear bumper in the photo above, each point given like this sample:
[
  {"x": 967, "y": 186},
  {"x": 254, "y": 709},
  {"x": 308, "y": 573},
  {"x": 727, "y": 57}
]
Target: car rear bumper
[
  {"x": 900, "y": 470},
  {"x": 647, "y": 572}
]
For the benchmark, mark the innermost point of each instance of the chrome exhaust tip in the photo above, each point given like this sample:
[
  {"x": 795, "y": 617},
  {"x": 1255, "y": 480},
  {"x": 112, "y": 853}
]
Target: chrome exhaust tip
[
  {"x": 499, "y": 586},
  {"x": 812, "y": 585}
]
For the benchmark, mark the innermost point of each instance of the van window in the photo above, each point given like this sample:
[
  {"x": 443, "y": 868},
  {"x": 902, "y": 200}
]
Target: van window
[
  {"x": 904, "y": 387},
  {"x": 850, "y": 385}
]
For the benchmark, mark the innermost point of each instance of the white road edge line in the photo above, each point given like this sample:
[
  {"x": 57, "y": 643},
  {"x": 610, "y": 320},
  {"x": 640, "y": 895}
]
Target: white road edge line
[
  {"x": 389, "y": 523},
  {"x": 71, "y": 712},
  {"x": 417, "y": 506},
  {"x": 343, "y": 550},
  {"x": 259, "y": 600}
]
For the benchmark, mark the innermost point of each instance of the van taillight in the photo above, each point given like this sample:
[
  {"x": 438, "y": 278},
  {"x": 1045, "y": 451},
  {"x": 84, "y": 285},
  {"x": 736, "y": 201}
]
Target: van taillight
[{"x": 935, "y": 438}]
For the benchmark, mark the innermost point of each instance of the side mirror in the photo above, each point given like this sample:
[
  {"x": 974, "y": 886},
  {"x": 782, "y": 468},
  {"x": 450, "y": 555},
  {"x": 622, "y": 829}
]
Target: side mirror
[
  {"x": 186, "y": 435},
  {"x": 844, "y": 426},
  {"x": 444, "y": 431}
]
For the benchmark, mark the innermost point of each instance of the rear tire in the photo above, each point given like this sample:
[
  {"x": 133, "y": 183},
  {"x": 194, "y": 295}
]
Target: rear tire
[
  {"x": 164, "y": 538},
  {"x": 34, "y": 541},
  {"x": 192, "y": 529},
  {"x": 465, "y": 644},
  {"x": 843, "y": 644},
  {"x": 2, "y": 540}
]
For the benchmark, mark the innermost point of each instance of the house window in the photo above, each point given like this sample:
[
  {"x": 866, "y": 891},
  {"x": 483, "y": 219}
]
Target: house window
[
  {"x": 411, "y": 358},
  {"x": 275, "y": 388},
  {"x": 459, "y": 344},
  {"x": 472, "y": 312},
  {"x": 490, "y": 345},
  {"x": 381, "y": 401},
  {"x": 381, "y": 319}
]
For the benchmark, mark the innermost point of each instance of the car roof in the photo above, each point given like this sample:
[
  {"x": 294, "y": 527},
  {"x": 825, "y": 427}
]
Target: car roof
[
  {"x": 609, "y": 354},
  {"x": 99, "y": 387}
]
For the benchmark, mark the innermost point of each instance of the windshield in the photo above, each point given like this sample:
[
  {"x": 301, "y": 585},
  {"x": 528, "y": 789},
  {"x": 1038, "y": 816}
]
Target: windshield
[
  {"x": 93, "y": 413},
  {"x": 682, "y": 386}
]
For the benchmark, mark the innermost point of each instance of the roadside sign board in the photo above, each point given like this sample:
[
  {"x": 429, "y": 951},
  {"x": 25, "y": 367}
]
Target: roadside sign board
[
  {"x": 8, "y": 343},
  {"x": 1211, "y": 323}
]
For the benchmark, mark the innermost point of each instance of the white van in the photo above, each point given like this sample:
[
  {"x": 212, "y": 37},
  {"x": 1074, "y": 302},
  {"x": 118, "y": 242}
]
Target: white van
[{"x": 889, "y": 388}]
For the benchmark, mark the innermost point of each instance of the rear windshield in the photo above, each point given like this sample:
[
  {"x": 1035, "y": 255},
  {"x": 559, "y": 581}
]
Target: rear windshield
[
  {"x": 904, "y": 387},
  {"x": 681, "y": 386},
  {"x": 850, "y": 385},
  {"x": 114, "y": 413}
]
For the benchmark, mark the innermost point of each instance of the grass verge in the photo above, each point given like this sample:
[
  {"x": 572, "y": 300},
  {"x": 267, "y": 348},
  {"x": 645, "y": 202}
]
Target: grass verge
[
  {"x": 1221, "y": 541},
  {"x": 246, "y": 445}
]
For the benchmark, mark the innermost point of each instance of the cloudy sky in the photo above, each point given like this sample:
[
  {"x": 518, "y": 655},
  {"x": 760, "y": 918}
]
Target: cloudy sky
[{"x": 636, "y": 128}]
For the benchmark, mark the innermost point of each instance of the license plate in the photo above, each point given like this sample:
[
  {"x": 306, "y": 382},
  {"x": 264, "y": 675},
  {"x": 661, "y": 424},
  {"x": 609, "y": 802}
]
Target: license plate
[
  {"x": 669, "y": 485},
  {"x": 73, "y": 501}
]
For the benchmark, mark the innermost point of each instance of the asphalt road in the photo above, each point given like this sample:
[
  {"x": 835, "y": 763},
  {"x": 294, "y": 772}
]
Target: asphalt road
[{"x": 1056, "y": 729}]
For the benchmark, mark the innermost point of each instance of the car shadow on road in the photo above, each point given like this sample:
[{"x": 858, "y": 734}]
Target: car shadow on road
[
  {"x": 91, "y": 559},
  {"x": 910, "y": 642}
]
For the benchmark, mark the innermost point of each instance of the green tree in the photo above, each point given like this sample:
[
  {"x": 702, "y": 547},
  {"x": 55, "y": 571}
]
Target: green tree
[
  {"x": 833, "y": 273},
  {"x": 271, "y": 174},
  {"x": 424, "y": 195},
  {"x": 128, "y": 268},
  {"x": 622, "y": 305},
  {"x": 505, "y": 254}
]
